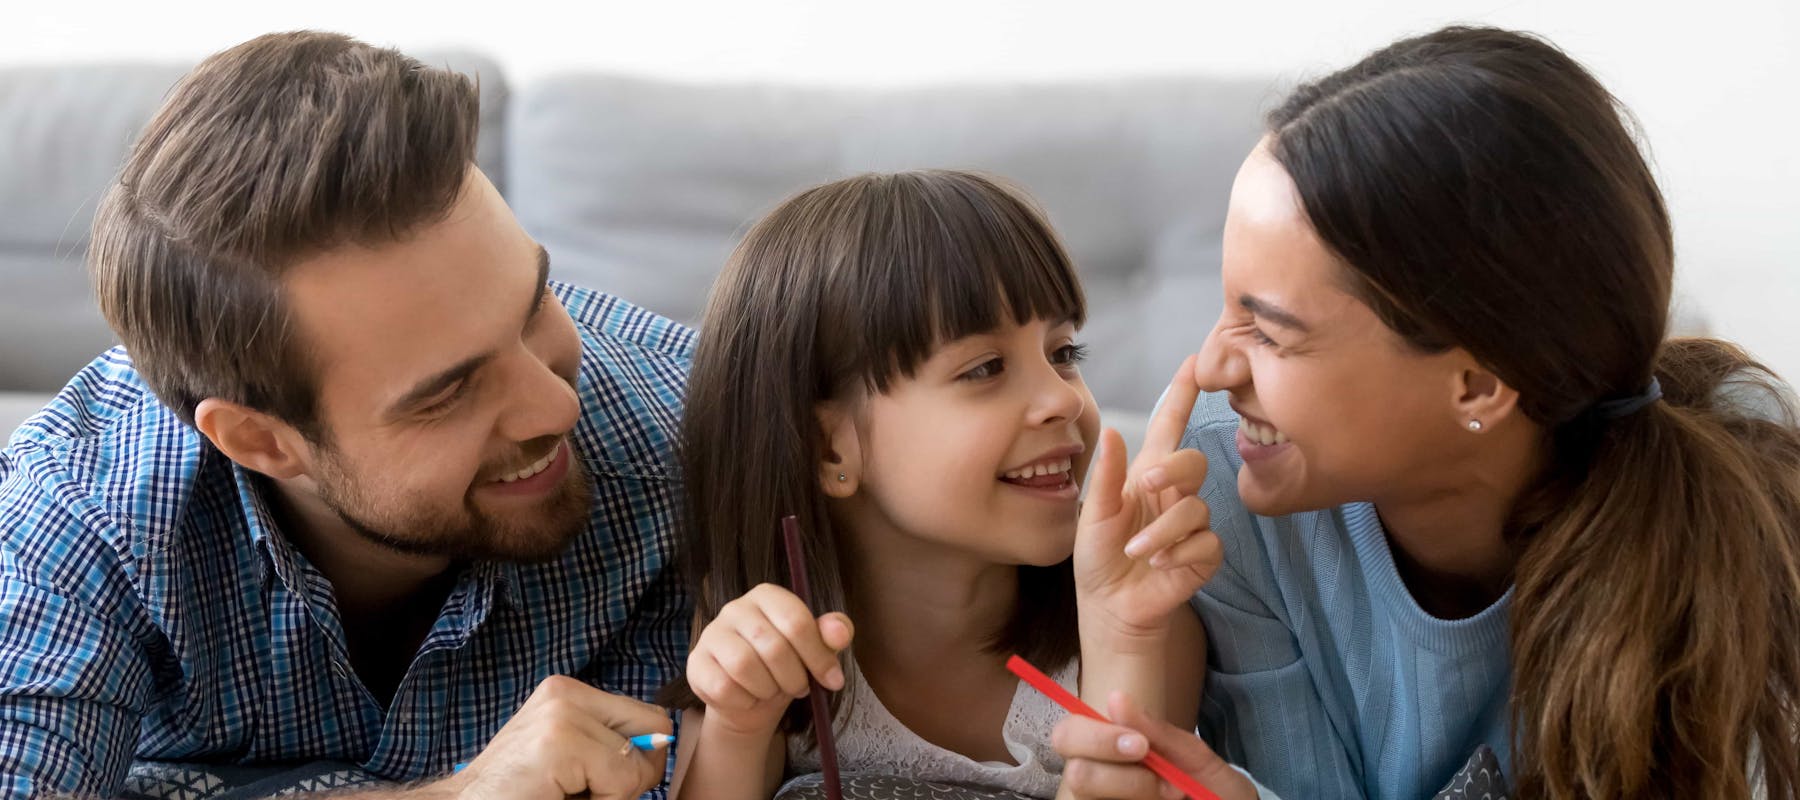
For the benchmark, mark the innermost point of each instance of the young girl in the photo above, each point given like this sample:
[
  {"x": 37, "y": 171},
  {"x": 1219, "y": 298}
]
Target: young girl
[{"x": 892, "y": 358}]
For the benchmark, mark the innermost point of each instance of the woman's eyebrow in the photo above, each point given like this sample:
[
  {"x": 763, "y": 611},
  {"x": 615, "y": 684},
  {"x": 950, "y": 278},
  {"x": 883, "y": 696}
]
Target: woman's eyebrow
[{"x": 1273, "y": 313}]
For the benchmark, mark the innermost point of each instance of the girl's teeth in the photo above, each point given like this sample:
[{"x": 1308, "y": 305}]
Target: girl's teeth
[{"x": 1039, "y": 469}]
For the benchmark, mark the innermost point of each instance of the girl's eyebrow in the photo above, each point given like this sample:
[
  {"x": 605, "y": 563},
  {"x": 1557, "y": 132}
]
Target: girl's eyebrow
[{"x": 1273, "y": 313}]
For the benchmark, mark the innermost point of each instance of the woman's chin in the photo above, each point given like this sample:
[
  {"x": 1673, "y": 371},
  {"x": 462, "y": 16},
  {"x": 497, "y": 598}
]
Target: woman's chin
[{"x": 1264, "y": 500}]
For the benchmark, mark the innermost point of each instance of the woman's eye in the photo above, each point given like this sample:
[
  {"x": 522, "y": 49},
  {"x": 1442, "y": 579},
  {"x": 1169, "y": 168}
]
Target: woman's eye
[
  {"x": 1262, "y": 338},
  {"x": 1069, "y": 355},
  {"x": 984, "y": 370}
]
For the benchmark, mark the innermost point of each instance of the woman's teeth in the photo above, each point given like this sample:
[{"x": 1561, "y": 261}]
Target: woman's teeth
[
  {"x": 541, "y": 465},
  {"x": 1034, "y": 470},
  {"x": 1264, "y": 435}
]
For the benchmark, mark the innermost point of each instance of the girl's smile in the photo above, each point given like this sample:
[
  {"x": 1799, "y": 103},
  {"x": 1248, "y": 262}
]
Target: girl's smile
[{"x": 1050, "y": 476}]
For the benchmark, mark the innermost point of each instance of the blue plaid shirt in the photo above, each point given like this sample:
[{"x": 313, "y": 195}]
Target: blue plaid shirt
[{"x": 151, "y": 609}]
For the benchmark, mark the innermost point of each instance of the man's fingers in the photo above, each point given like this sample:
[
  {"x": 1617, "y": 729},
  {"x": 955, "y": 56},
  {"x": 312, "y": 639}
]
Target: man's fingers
[
  {"x": 614, "y": 770},
  {"x": 1106, "y": 479},
  {"x": 618, "y": 713},
  {"x": 1170, "y": 423}
]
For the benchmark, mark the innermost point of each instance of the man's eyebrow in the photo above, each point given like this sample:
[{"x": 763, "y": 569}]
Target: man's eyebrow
[
  {"x": 437, "y": 383},
  {"x": 1273, "y": 313},
  {"x": 432, "y": 386},
  {"x": 543, "y": 283}
]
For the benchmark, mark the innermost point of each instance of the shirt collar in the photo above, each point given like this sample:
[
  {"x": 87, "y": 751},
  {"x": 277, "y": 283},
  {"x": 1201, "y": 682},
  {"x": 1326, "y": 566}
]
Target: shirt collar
[{"x": 492, "y": 582}]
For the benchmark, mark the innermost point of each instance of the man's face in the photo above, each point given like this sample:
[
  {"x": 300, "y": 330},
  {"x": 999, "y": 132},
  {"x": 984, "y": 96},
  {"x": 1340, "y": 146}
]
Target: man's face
[{"x": 446, "y": 379}]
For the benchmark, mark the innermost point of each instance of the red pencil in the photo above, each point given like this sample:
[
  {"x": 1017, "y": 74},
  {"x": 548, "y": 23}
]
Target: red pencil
[
  {"x": 1157, "y": 764},
  {"x": 821, "y": 708}
]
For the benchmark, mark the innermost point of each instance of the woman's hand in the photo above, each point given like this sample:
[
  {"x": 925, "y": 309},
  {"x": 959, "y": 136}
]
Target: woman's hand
[
  {"x": 1143, "y": 545},
  {"x": 1104, "y": 759},
  {"x": 753, "y": 660}
]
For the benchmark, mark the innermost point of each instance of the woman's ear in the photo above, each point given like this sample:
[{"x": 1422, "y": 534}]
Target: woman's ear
[
  {"x": 840, "y": 463},
  {"x": 1480, "y": 398}
]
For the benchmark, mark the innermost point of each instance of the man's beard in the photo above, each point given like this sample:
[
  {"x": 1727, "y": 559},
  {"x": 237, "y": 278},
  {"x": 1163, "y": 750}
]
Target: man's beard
[{"x": 416, "y": 526}]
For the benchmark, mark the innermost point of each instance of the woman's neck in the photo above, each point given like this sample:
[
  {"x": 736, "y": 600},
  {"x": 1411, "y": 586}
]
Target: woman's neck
[{"x": 1449, "y": 539}]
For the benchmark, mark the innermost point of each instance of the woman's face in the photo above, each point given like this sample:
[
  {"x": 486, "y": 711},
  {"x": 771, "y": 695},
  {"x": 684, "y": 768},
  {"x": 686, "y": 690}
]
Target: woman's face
[{"x": 1335, "y": 407}]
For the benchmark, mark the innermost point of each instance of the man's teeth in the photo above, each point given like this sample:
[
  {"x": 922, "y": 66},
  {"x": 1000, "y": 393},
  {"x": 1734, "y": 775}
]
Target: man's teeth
[
  {"x": 1035, "y": 470},
  {"x": 1264, "y": 435},
  {"x": 540, "y": 466}
]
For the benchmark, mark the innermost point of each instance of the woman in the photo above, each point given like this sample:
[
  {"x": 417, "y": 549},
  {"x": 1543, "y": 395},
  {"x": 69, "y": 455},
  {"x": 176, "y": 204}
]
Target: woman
[{"x": 1480, "y": 502}]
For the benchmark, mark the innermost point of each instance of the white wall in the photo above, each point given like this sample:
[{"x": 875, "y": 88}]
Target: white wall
[{"x": 1714, "y": 83}]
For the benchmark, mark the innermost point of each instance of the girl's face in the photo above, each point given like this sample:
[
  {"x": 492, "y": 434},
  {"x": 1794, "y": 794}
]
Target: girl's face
[
  {"x": 1335, "y": 407},
  {"x": 983, "y": 449}
]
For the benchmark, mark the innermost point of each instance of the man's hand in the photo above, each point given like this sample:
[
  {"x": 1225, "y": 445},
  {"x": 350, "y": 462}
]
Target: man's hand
[{"x": 569, "y": 738}]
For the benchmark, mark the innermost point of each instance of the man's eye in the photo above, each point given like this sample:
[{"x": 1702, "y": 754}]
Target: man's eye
[{"x": 448, "y": 401}]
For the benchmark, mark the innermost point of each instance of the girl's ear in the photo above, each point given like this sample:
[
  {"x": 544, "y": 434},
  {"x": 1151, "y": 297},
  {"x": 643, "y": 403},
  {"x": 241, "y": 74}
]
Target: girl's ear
[{"x": 840, "y": 464}]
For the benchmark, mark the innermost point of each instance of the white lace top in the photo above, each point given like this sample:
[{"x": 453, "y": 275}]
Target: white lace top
[{"x": 871, "y": 740}]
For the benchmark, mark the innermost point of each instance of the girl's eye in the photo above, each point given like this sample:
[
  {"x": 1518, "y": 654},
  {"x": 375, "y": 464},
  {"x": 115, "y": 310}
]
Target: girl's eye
[
  {"x": 1262, "y": 338},
  {"x": 984, "y": 370},
  {"x": 1069, "y": 355}
]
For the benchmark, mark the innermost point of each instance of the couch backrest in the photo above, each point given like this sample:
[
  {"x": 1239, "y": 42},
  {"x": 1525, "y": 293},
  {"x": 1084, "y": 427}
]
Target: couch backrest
[
  {"x": 641, "y": 188},
  {"x": 64, "y": 133}
]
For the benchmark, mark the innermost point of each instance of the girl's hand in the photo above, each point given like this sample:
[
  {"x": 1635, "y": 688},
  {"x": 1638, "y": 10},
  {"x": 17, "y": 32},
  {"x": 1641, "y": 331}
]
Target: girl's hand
[
  {"x": 755, "y": 657},
  {"x": 1144, "y": 545},
  {"x": 1104, "y": 758}
]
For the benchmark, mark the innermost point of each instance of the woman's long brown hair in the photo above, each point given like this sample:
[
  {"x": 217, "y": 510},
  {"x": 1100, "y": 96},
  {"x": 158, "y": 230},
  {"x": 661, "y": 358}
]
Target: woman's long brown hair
[
  {"x": 1486, "y": 192},
  {"x": 842, "y": 289}
]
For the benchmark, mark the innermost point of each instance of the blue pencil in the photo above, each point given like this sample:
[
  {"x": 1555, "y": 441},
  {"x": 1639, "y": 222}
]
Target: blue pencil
[{"x": 646, "y": 742}]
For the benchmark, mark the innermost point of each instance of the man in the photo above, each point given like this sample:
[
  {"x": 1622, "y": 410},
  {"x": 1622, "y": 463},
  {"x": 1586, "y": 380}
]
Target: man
[{"x": 361, "y": 485}]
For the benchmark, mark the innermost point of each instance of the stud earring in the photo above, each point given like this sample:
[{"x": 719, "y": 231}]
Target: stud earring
[
  {"x": 1474, "y": 426},
  {"x": 842, "y": 477}
]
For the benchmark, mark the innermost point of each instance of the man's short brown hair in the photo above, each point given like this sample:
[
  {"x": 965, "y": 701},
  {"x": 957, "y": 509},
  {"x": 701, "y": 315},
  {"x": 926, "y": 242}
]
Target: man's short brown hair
[{"x": 267, "y": 153}]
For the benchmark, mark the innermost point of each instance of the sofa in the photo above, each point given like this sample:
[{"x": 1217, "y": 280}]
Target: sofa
[{"x": 641, "y": 187}]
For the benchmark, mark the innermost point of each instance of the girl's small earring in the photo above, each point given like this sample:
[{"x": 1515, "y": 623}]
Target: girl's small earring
[
  {"x": 1474, "y": 426},
  {"x": 842, "y": 477}
]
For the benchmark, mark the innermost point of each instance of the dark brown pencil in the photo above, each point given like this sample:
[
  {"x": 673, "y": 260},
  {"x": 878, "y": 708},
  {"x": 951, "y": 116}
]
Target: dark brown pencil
[{"x": 821, "y": 708}]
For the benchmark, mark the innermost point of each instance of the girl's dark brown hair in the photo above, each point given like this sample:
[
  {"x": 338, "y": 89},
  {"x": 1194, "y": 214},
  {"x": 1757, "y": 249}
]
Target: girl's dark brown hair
[
  {"x": 1486, "y": 192},
  {"x": 843, "y": 289}
]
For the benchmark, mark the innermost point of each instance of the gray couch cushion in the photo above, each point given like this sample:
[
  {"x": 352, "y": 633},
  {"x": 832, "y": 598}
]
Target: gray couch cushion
[
  {"x": 64, "y": 132},
  {"x": 641, "y": 188}
]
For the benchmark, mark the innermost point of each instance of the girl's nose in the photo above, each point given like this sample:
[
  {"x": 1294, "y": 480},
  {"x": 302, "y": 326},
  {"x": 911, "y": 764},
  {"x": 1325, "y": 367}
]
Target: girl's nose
[{"x": 1057, "y": 399}]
